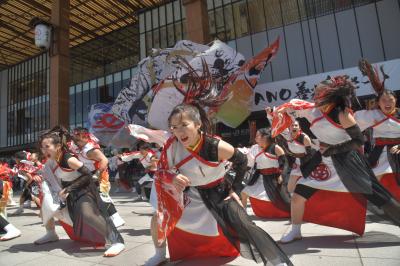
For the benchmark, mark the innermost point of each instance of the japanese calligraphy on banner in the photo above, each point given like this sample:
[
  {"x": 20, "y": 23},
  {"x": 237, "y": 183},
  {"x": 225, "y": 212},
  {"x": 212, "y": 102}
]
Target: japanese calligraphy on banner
[{"x": 277, "y": 93}]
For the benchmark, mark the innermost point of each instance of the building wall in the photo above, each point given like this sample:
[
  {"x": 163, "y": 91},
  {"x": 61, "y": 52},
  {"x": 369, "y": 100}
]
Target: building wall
[
  {"x": 3, "y": 108},
  {"x": 312, "y": 43},
  {"x": 316, "y": 36}
]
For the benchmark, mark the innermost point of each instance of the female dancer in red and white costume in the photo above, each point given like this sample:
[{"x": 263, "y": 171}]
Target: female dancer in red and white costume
[
  {"x": 265, "y": 185},
  {"x": 298, "y": 147},
  {"x": 342, "y": 168},
  {"x": 198, "y": 211},
  {"x": 80, "y": 194},
  {"x": 385, "y": 123},
  {"x": 30, "y": 172},
  {"x": 148, "y": 159},
  {"x": 87, "y": 149}
]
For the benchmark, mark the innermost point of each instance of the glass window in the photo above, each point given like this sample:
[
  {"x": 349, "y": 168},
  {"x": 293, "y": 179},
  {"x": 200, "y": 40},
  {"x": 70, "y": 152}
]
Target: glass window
[
  {"x": 162, "y": 15},
  {"x": 149, "y": 41},
  {"x": 117, "y": 76},
  {"x": 217, "y": 3},
  {"x": 85, "y": 86},
  {"x": 100, "y": 82},
  {"x": 240, "y": 17},
  {"x": 178, "y": 31},
  {"x": 183, "y": 13},
  {"x": 291, "y": 11},
  {"x": 117, "y": 88},
  {"x": 148, "y": 20},
  {"x": 170, "y": 35},
  {"x": 210, "y": 4},
  {"x": 257, "y": 19},
  {"x": 229, "y": 23},
  {"x": 142, "y": 46},
  {"x": 273, "y": 13},
  {"x": 126, "y": 74},
  {"x": 78, "y": 107},
  {"x": 110, "y": 87},
  {"x": 85, "y": 105},
  {"x": 142, "y": 23},
  {"x": 134, "y": 71},
  {"x": 211, "y": 23},
  {"x": 170, "y": 18},
  {"x": 94, "y": 95},
  {"x": 184, "y": 31},
  {"x": 219, "y": 24},
  {"x": 155, "y": 18},
  {"x": 93, "y": 84},
  {"x": 156, "y": 39},
  {"x": 177, "y": 10},
  {"x": 163, "y": 37}
]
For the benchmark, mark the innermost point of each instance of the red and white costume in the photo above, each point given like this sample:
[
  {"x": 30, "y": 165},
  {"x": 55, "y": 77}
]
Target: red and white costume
[
  {"x": 268, "y": 164},
  {"x": 147, "y": 162},
  {"x": 5, "y": 173},
  {"x": 332, "y": 205},
  {"x": 386, "y": 131},
  {"x": 196, "y": 233}
]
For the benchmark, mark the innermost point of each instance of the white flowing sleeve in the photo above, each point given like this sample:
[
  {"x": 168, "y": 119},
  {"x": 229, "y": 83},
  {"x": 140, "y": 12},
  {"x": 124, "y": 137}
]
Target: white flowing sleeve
[
  {"x": 129, "y": 156},
  {"x": 149, "y": 135},
  {"x": 365, "y": 118}
]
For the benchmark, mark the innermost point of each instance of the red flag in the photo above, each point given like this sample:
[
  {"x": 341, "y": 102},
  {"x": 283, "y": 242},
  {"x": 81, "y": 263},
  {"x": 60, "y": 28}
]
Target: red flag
[{"x": 280, "y": 117}]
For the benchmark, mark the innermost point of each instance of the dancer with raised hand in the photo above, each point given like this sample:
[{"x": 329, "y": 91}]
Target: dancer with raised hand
[
  {"x": 385, "y": 123},
  {"x": 30, "y": 173},
  {"x": 340, "y": 140},
  {"x": 148, "y": 158},
  {"x": 80, "y": 193}
]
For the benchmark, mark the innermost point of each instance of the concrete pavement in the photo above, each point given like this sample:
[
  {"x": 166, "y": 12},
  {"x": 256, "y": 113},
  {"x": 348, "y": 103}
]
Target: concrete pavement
[{"x": 320, "y": 246}]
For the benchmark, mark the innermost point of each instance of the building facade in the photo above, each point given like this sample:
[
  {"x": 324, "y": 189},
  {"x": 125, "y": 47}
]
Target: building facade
[{"x": 318, "y": 36}]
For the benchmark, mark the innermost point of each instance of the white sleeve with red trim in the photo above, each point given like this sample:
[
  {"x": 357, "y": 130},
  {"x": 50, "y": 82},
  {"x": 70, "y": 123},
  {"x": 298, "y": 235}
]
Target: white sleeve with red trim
[
  {"x": 88, "y": 147},
  {"x": 299, "y": 108},
  {"x": 251, "y": 154},
  {"x": 149, "y": 135},
  {"x": 367, "y": 118},
  {"x": 48, "y": 175},
  {"x": 129, "y": 156}
]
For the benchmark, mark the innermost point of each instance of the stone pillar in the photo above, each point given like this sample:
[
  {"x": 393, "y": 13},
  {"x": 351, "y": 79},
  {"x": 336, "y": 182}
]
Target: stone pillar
[
  {"x": 197, "y": 21},
  {"x": 59, "y": 64}
]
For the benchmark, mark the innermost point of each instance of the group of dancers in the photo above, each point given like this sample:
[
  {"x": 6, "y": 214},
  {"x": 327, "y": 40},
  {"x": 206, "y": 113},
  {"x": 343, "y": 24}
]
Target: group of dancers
[{"x": 199, "y": 185}]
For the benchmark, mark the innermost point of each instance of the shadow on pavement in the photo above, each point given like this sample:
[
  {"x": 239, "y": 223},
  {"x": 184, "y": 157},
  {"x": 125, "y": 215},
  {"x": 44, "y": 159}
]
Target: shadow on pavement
[
  {"x": 202, "y": 262},
  {"x": 72, "y": 248},
  {"x": 314, "y": 244},
  {"x": 133, "y": 232}
]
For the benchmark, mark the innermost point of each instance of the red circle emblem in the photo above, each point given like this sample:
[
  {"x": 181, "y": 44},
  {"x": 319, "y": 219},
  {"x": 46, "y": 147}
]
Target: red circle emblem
[{"x": 321, "y": 173}]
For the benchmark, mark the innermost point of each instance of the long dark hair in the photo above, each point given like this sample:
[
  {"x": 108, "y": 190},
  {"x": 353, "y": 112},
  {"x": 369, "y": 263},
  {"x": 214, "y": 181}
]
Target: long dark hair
[
  {"x": 203, "y": 90},
  {"x": 266, "y": 133},
  {"x": 195, "y": 113},
  {"x": 59, "y": 135},
  {"x": 338, "y": 90},
  {"x": 377, "y": 83}
]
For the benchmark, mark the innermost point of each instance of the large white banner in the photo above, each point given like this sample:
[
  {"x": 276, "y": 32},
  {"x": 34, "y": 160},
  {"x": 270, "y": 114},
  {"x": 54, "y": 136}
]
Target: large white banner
[{"x": 276, "y": 93}]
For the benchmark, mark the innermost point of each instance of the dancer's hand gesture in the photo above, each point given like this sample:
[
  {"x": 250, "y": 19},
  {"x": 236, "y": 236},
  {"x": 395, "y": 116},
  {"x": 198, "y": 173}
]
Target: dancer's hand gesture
[
  {"x": 233, "y": 195},
  {"x": 395, "y": 149},
  {"x": 181, "y": 182},
  {"x": 63, "y": 194}
]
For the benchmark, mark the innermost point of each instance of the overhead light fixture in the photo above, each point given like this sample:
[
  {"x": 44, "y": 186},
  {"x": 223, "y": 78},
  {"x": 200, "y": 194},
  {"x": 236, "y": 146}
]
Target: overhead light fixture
[{"x": 42, "y": 33}]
